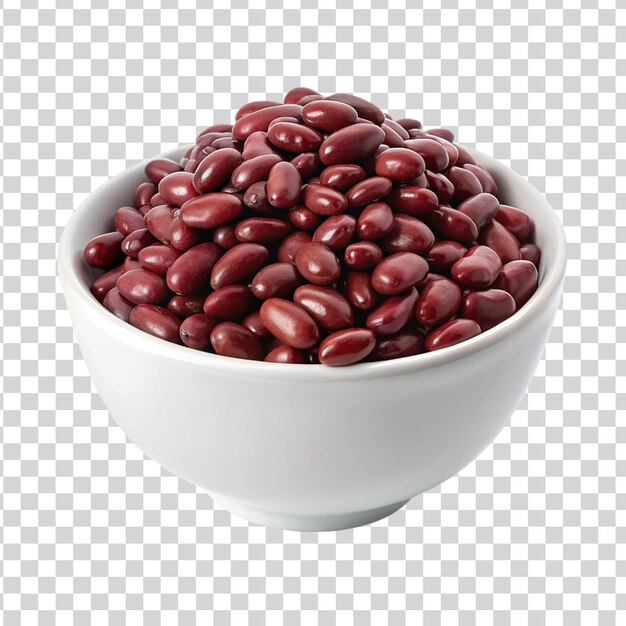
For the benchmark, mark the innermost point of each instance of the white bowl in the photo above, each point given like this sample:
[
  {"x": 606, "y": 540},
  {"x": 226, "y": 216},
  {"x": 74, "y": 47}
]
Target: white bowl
[{"x": 310, "y": 447}]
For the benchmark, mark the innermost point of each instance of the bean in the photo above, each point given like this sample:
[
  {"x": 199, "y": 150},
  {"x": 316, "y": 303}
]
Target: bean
[
  {"x": 253, "y": 170},
  {"x": 256, "y": 145},
  {"x": 303, "y": 218},
  {"x": 465, "y": 184},
  {"x": 407, "y": 234},
  {"x": 440, "y": 185},
  {"x": 308, "y": 164},
  {"x": 255, "y": 197},
  {"x": 399, "y": 165},
  {"x": 404, "y": 343},
  {"x": 408, "y": 123},
  {"x": 369, "y": 163},
  {"x": 398, "y": 272},
  {"x": 216, "y": 128},
  {"x": 253, "y": 323},
  {"x": 413, "y": 200},
  {"x": 260, "y": 119},
  {"x": 451, "y": 333},
  {"x": 486, "y": 180},
  {"x": 157, "y": 321},
  {"x": 236, "y": 341},
  {"x": 450, "y": 224},
  {"x": 142, "y": 287},
  {"x": 238, "y": 264},
  {"x": 156, "y": 200},
  {"x": 519, "y": 278},
  {"x": 157, "y": 169},
  {"x": 195, "y": 331},
  {"x": 464, "y": 156},
  {"x": 328, "y": 116},
  {"x": 294, "y": 137},
  {"x": 177, "y": 188},
  {"x": 230, "y": 303},
  {"x": 435, "y": 156},
  {"x": 211, "y": 210},
  {"x": 318, "y": 264},
  {"x": 364, "y": 108},
  {"x": 130, "y": 264},
  {"x": 375, "y": 221},
  {"x": 359, "y": 291},
  {"x": 261, "y": 230},
  {"x": 290, "y": 323},
  {"x": 183, "y": 237},
  {"x": 226, "y": 143},
  {"x": 336, "y": 231},
  {"x": 392, "y": 314},
  {"x": 255, "y": 105},
  {"x": 105, "y": 250},
  {"x": 215, "y": 169},
  {"x": 392, "y": 138},
  {"x": 342, "y": 176},
  {"x": 143, "y": 193},
  {"x": 310, "y": 98},
  {"x": 363, "y": 255},
  {"x": 530, "y": 252},
  {"x": 444, "y": 133},
  {"x": 158, "y": 221},
  {"x": 283, "y": 186},
  {"x": 438, "y": 301},
  {"x": 290, "y": 245},
  {"x": 515, "y": 221},
  {"x": 499, "y": 239},
  {"x": 287, "y": 354},
  {"x": 128, "y": 220},
  {"x": 328, "y": 308},
  {"x": 346, "y": 346},
  {"x": 297, "y": 93},
  {"x": 368, "y": 191},
  {"x": 478, "y": 268},
  {"x": 189, "y": 274},
  {"x": 323, "y": 200},
  {"x": 105, "y": 282},
  {"x": 350, "y": 144},
  {"x": 444, "y": 254},
  {"x": 277, "y": 280},
  {"x": 480, "y": 208},
  {"x": 224, "y": 236},
  {"x": 488, "y": 308},
  {"x": 453, "y": 153},
  {"x": 137, "y": 241},
  {"x": 184, "y": 306},
  {"x": 115, "y": 302}
]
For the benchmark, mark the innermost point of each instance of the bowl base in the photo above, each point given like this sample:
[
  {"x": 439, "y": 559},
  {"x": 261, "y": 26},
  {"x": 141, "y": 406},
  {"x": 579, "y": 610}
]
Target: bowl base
[{"x": 312, "y": 523}]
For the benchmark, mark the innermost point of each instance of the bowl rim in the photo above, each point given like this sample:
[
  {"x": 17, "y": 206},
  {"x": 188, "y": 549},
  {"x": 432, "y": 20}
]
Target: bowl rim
[{"x": 551, "y": 283}]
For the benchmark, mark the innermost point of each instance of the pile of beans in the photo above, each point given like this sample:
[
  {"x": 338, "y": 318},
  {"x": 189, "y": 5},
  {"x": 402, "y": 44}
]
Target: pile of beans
[{"x": 317, "y": 230}]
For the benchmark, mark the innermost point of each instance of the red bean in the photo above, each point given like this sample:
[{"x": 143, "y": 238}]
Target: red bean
[
  {"x": 485, "y": 178},
  {"x": 478, "y": 268},
  {"x": 216, "y": 128},
  {"x": 189, "y": 274},
  {"x": 392, "y": 314},
  {"x": 277, "y": 280},
  {"x": 346, "y": 346},
  {"x": 413, "y": 200},
  {"x": 261, "y": 230},
  {"x": 328, "y": 116},
  {"x": 308, "y": 164},
  {"x": 499, "y": 239},
  {"x": 115, "y": 302},
  {"x": 444, "y": 133},
  {"x": 324, "y": 200},
  {"x": 364, "y": 108},
  {"x": 488, "y": 308},
  {"x": 236, "y": 341},
  {"x": 289, "y": 322},
  {"x": 440, "y": 185},
  {"x": 224, "y": 143},
  {"x": 137, "y": 241},
  {"x": 156, "y": 200},
  {"x": 453, "y": 153},
  {"x": 230, "y": 303},
  {"x": 253, "y": 170},
  {"x": 157, "y": 321},
  {"x": 254, "y": 324},
  {"x": 158, "y": 221},
  {"x": 531, "y": 252},
  {"x": 143, "y": 193},
  {"x": 260, "y": 119},
  {"x": 359, "y": 291},
  {"x": 438, "y": 302},
  {"x": 195, "y": 331},
  {"x": 303, "y": 218},
  {"x": 128, "y": 220},
  {"x": 350, "y": 144},
  {"x": 342, "y": 177},
  {"x": 363, "y": 255},
  {"x": 398, "y": 272},
  {"x": 256, "y": 145},
  {"x": 318, "y": 264},
  {"x": 451, "y": 333},
  {"x": 215, "y": 170},
  {"x": 105, "y": 251},
  {"x": 515, "y": 221},
  {"x": 238, "y": 264},
  {"x": 255, "y": 197},
  {"x": 465, "y": 184},
  {"x": 105, "y": 282},
  {"x": 290, "y": 245},
  {"x": 392, "y": 138},
  {"x": 375, "y": 221},
  {"x": 131, "y": 264},
  {"x": 184, "y": 306},
  {"x": 329, "y": 309},
  {"x": 224, "y": 236},
  {"x": 336, "y": 232},
  {"x": 399, "y": 165},
  {"x": 142, "y": 287},
  {"x": 177, "y": 188},
  {"x": 255, "y": 105},
  {"x": 435, "y": 156},
  {"x": 183, "y": 237},
  {"x": 368, "y": 191},
  {"x": 407, "y": 234},
  {"x": 448, "y": 223},
  {"x": 444, "y": 254},
  {"x": 519, "y": 278},
  {"x": 283, "y": 186},
  {"x": 211, "y": 210},
  {"x": 157, "y": 169},
  {"x": 287, "y": 354},
  {"x": 480, "y": 208},
  {"x": 294, "y": 137},
  {"x": 297, "y": 93},
  {"x": 408, "y": 123},
  {"x": 464, "y": 156},
  {"x": 405, "y": 343}
]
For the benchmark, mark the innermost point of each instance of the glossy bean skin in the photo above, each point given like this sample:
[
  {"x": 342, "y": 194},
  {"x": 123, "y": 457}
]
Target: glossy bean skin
[
  {"x": 156, "y": 200},
  {"x": 444, "y": 254},
  {"x": 230, "y": 303},
  {"x": 399, "y": 165},
  {"x": 117, "y": 304},
  {"x": 297, "y": 93},
  {"x": 287, "y": 354},
  {"x": 127, "y": 220},
  {"x": 105, "y": 282},
  {"x": 215, "y": 170},
  {"x": 398, "y": 272},
  {"x": 343, "y": 176},
  {"x": 451, "y": 333},
  {"x": 189, "y": 274},
  {"x": 359, "y": 291},
  {"x": 465, "y": 184},
  {"x": 328, "y": 308},
  {"x": 261, "y": 230},
  {"x": 408, "y": 234},
  {"x": 435, "y": 156},
  {"x": 183, "y": 237},
  {"x": 440, "y": 186},
  {"x": 450, "y": 148},
  {"x": 157, "y": 321},
  {"x": 368, "y": 191},
  {"x": 238, "y": 264},
  {"x": 195, "y": 331},
  {"x": 253, "y": 323},
  {"x": 323, "y": 200},
  {"x": 392, "y": 138},
  {"x": 294, "y": 138},
  {"x": 303, "y": 218},
  {"x": 404, "y": 343},
  {"x": 211, "y": 210},
  {"x": 289, "y": 323},
  {"x": 477, "y": 269},
  {"x": 256, "y": 145},
  {"x": 224, "y": 236},
  {"x": 413, "y": 200},
  {"x": 336, "y": 231},
  {"x": 484, "y": 177},
  {"x": 177, "y": 188},
  {"x": 488, "y": 308},
  {"x": 253, "y": 170},
  {"x": 444, "y": 133},
  {"x": 346, "y": 347},
  {"x": 351, "y": 144},
  {"x": 365, "y": 109},
  {"x": 277, "y": 280},
  {"x": 499, "y": 239},
  {"x": 363, "y": 255},
  {"x": 141, "y": 286},
  {"x": 184, "y": 306},
  {"x": 236, "y": 341},
  {"x": 289, "y": 246},
  {"x": 519, "y": 278},
  {"x": 375, "y": 221},
  {"x": 105, "y": 251},
  {"x": 158, "y": 221},
  {"x": 255, "y": 105},
  {"x": 260, "y": 119},
  {"x": 308, "y": 164},
  {"x": 131, "y": 264},
  {"x": 215, "y": 128},
  {"x": 530, "y": 252},
  {"x": 283, "y": 186},
  {"x": 255, "y": 197},
  {"x": 438, "y": 301},
  {"x": 448, "y": 223},
  {"x": 408, "y": 123},
  {"x": 480, "y": 209},
  {"x": 464, "y": 156},
  {"x": 157, "y": 169},
  {"x": 227, "y": 143},
  {"x": 137, "y": 241},
  {"x": 318, "y": 263},
  {"x": 328, "y": 116},
  {"x": 515, "y": 221},
  {"x": 392, "y": 314}
]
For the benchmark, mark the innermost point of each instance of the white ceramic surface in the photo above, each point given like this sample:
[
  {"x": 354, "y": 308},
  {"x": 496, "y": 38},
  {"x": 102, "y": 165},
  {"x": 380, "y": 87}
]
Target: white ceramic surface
[{"x": 310, "y": 447}]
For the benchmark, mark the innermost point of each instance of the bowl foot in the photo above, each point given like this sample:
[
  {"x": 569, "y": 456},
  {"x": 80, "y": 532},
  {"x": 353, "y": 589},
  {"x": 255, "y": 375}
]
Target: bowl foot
[{"x": 306, "y": 522}]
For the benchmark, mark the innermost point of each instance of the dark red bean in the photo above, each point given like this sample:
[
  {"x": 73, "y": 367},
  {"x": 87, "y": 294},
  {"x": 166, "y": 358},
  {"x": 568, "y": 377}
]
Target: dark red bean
[
  {"x": 464, "y": 156},
  {"x": 145, "y": 208},
  {"x": 290, "y": 245},
  {"x": 215, "y": 169},
  {"x": 329, "y": 309},
  {"x": 399, "y": 164},
  {"x": 328, "y": 116},
  {"x": 408, "y": 234},
  {"x": 310, "y": 98},
  {"x": 278, "y": 120},
  {"x": 255, "y": 105},
  {"x": 398, "y": 272},
  {"x": 531, "y": 252},
  {"x": 368, "y": 191},
  {"x": 448, "y": 223},
  {"x": 453, "y": 153},
  {"x": 224, "y": 236},
  {"x": 143, "y": 193},
  {"x": 287, "y": 354},
  {"x": 183, "y": 237},
  {"x": 297, "y": 93},
  {"x": 375, "y": 221},
  {"x": 303, "y": 218},
  {"x": 115, "y": 302},
  {"x": 253, "y": 170},
  {"x": 434, "y": 154},
  {"x": 444, "y": 254},
  {"x": 307, "y": 163},
  {"x": 289, "y": 322},
  {"x": 215, "y": 128},
  {"x": 401, "y": 131},
  {"x": 485, "y": 178},
  {"x": 359, "y": 291},
  {"x": 346, "y": 347},
  {"x": 238, "y": 264},
  {"x": 253, "y": 323},
  {"x": 515, "y": 221},
  {"x": 210, "y": 210},
  {"x": 405, "y": 343},
  {"x": 189, "y": 274},
  {"x": 499, "y": 239},
  {"x": 128, "y": 220},
  {"x": 477, "y": 269},
  {"x": 277, "y": 280},
  {"x": 480, "y": 208},
  {"x": 450, "y": 333},
  {"x": 156, "y": 200},
  {"x": 318, "y": 264},
  {"x": 336, "y": 232},
  {"x": 157, "y": 169},
  {"x": 230, "y": 303},
  {"x": 440, "y": 185},
  {"x": 195, "y": 331},
  {"x": 364, "y": 108},
  {"x": 255, "y": 197},
  {"x": 294, "y": 137},
  {"x": 105, "y": 250},
  {"x": 283, "y": 186},
  {"x": 137, "y": 241},
  {"x": 343, "y": 176},
  {"x": 363, "y": 255},
  {"x": 105, "y": 282},
  {"x": 236, "y": 341},
  {"x": 225, "y": 143},
  {"x": 392, "y": 314},
  {"x": 519, "y": 278},
  {"x": 131, "y": 264},
  {"x": 256, "y": 145},
  {"x": 142, "y": 287},
  {"x": 408, "y": 123},
  {"x": 184, "y": 306},
  {"x": 465, "y": 184},
  {"x": 260, "y": 119},
  {"x": 324, "y": 200},
  {"x": 392, "y": 138},
  {"x": 444, "y": 133},
  {"x": 488, "y": 308},
  {"x": 158, "y": 221},
  {"x": 413, "y": 200},
  {"x": 177, "y": 188},
  {"x": 351, "y": 144},
  {"x": 157, "y": 321},
  {"x": 438, "y": 302},
  {"x": 261, "y": 230}
]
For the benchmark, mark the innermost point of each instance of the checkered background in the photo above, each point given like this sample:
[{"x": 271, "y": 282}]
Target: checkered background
[{"x": 93, "y": 532}]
